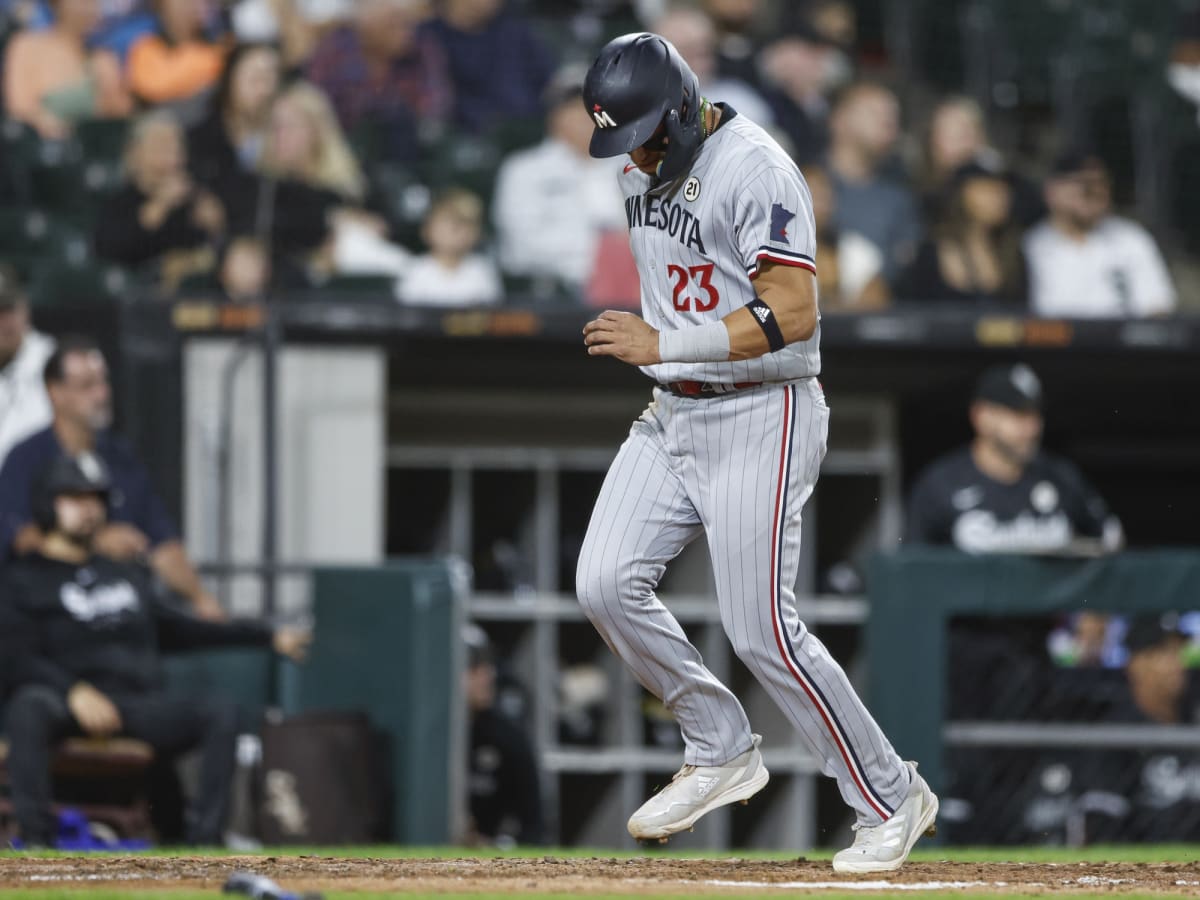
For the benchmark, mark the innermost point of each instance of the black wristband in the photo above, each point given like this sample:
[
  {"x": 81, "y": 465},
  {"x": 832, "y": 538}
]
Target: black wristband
[{"x": 766, "y": 321}]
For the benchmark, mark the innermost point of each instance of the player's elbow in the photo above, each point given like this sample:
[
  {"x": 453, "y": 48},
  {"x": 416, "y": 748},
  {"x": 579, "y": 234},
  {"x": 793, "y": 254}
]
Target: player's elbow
[{"x": 802, "y": 325}]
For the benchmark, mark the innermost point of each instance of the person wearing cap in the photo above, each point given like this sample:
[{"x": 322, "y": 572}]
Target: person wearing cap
[
  {"x": 798, "y": 70},
  {"x": 24, "y": 405},
  {"x": 80, "y": 643},
  {"x": 503, "y": 789},
  {"x": 1002, "y": 493},
  {"x": 553, "y": 202},
  {"x": 1085, "y": 262},
  {"x": 140, "y": 529},
  {"x": 973, "y": 255}
]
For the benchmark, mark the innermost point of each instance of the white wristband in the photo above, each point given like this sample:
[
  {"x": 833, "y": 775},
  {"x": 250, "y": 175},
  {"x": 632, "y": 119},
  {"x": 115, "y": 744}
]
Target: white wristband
[{"x": 695, "y": 344}]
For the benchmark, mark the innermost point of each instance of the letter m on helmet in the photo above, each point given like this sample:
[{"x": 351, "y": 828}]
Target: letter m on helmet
[{"x": 603, "y": 119}]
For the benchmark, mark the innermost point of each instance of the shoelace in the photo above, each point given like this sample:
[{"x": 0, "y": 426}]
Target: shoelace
[{"x": 683, "y": 772}]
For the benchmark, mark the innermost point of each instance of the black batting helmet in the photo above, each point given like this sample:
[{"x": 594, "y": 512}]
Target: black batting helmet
[
  {"x": 85, "y": 474},
  {"x": 638, "y": 82}
]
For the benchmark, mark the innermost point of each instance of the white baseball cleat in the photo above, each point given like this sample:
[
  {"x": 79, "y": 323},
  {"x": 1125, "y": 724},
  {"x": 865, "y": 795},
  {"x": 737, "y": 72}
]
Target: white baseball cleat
[
  {"x": 696, "y": 790},
  {"x": 885, "y": 847}
]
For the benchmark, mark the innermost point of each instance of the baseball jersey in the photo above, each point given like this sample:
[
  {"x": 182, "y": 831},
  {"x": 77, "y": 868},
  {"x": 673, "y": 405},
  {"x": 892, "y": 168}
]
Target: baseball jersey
[
  {"x": 1042, "y": 512},
  {"x": 699, "y": 240}
]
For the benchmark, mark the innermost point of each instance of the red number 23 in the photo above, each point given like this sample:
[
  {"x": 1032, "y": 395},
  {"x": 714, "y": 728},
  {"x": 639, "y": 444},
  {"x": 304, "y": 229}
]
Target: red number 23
[{"x": 702, "y": 276}]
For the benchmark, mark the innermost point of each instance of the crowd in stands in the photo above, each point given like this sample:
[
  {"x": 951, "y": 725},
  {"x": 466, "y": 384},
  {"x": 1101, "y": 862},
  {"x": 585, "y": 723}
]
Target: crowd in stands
[{"x": 263, "y": 146}]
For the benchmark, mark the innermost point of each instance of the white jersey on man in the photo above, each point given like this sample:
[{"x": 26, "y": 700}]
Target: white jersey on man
[{"x": 699, "y": 242}]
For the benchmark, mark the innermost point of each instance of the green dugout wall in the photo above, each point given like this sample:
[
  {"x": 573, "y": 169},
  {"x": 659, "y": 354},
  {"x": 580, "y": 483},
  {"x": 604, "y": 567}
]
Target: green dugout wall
[{"x": 914, "y": 594}]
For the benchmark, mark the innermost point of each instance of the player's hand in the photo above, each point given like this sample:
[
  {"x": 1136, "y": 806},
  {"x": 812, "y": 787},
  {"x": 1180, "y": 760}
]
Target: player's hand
[
  {"x": 94, "y": 712},
  {"x": 121, "y": 542},
  {"x": 624, "y": 336},
  {"x": 206, "y": 606},
  {"x": 292, "y": 643}
]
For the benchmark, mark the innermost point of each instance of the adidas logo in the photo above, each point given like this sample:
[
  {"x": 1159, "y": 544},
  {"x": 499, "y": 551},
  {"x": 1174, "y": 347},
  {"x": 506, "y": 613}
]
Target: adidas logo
[
  {"x": 762, "y": 313},
  {"x": 705, "y": 784}
]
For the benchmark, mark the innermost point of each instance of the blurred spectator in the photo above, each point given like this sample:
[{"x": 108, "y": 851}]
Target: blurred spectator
[
  {"x": 383, "y": 69},
  {"x": 1161, "y": 786},
  {"x": 955, "y": 136},
  {"x": 309, "y": 198},
  {"x": 1086, "y": 641},
  {"x": 973, "y": 253},
  {"x": 1003, "y": 493},
  {"x": 796, "y": 71},
  {"x": 499, "y": 65},
  {"x": 24, "y": 406},
  {"x": 1086, "y": 262},
  {"x": 139, "y": 527},
  {"x": 180, "y": 61},
  {"x": 503, "y": 790},
  {"x": 52, "y": 80},
  {"x": 244, "y": 272},
  {"x": 283, "y": 22},
  {"x": 160, "y": 211},
  {"x": 229, "y": 139},
  {"x": 452, "y": 273},
  {"x": 553, "y": 201},
  {"x": 864, "y": 129},
  {"x": 82, "y": 637},
  {"x": 693, "y": 34},
  {"x": 735, "y": 23},
  {"x": 849, "y": 267}
]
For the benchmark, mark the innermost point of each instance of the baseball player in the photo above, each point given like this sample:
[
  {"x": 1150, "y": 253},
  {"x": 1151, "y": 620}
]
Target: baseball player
[{"x": 721, "y": 226}]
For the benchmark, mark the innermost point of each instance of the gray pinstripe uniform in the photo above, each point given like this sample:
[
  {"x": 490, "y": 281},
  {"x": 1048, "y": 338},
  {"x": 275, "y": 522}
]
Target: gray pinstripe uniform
[{"x": 736, "y": 466}]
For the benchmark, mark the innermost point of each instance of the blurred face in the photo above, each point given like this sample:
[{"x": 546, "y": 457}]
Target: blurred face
[
  {"x": 479, "y": 686},
  {"x": 1091, "y": 629},
  {"x": 254, "y": 84},
  {"x": 470, "y": 14},
  {"x": 158, "y": 155},
  {"x": 987, "y": 201},
  {"x": 294, "y": 139},
  {"x": 79, "y": 516},
  {"x": 955, "y": 137},
  {"x": 182, "y": 19},
  {"x": 1158, "y": 671},
  {"x": 733, "y": 13},
  {"x": 650, "y": 155},
  {"x": 14, "y": 325},
  {"x": 571, "y": 124},
  {"x": 386, "y": 27},
  {"x": 450, "y": 234},
  {"x": 1082, "y": 199},
  {"x": 1015, "y": 434},
  {"x": 83, "y": 398},
  {"x": 693, "y": 36},
  {"x": 77, "y": 16},
  {"x": 246, "y": 270},
  {"x": 797, "y": 66},
  {"x": 870, "y": 122}
]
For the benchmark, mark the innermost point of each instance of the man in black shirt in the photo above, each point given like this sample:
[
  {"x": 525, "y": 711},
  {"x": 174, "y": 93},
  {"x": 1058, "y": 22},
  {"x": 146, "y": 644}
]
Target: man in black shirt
[
  {"x": 505, "y": 795},
  {"x": 80, "y": 637},
  {"x": 1003, "y": 493}
]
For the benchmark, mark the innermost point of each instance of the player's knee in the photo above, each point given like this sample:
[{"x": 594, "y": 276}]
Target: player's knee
[
  {"x": 31, "y": 708},
  {"x": 601, "y": 583}
]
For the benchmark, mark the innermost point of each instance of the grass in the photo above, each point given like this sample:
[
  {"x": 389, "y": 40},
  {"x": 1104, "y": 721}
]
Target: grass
[{"x": 1099, "y": 853}]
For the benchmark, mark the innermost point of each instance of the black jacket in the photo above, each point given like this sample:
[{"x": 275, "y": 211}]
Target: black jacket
[{"x": 102, "y": 622}]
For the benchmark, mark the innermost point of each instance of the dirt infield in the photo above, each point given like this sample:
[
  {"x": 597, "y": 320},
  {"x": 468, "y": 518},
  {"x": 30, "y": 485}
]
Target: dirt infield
[{"x": 597, "y": 875}]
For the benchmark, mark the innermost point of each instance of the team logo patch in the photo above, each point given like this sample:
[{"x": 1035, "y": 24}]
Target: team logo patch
[
  {"x": 691, "y": 190},
  {"x": 603, "y": 119},
  {"x": 780, "y": 218},
  {"x": 1044, "y": 497}
]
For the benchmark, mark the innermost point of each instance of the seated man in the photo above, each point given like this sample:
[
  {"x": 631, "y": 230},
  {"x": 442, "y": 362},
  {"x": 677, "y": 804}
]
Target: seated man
[
  {"x": 24, "y": 406},
  {"x": 1002, "y": 493},
  {"x": 76, "y": 378},
  {"x": 79, "y": 641}
]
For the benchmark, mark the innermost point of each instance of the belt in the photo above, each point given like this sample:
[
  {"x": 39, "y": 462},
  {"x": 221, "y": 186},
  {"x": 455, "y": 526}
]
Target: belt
[{"x": 705, "y": 388}]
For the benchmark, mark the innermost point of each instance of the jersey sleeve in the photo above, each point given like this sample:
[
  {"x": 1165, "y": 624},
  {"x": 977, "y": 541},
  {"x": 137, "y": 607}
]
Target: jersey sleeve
[
  {"x": 773, "y": 222},
  {"x": 1088, "y": 511}
]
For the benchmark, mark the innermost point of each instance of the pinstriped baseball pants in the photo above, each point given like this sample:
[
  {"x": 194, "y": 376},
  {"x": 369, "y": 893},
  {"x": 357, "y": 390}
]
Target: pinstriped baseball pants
[{"x": 738, "y": 468}]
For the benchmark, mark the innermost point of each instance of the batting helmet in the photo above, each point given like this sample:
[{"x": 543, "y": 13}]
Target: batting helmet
[
  {"x": 638, "y": 82},
  {"x": 85, "y": 474}
]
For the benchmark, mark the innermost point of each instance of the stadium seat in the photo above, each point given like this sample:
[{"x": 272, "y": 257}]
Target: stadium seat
[
  {"x": 359, "y": 289},
  {"x": 28, "y": 234},
  {"x": 118, "y": 765},
  {"x": 56, "y": 281}
]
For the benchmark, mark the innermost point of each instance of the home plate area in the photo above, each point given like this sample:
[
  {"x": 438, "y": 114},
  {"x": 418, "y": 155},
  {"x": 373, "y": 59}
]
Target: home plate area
[{"x": 596, "y": 875}]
